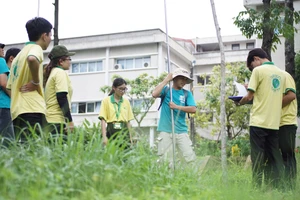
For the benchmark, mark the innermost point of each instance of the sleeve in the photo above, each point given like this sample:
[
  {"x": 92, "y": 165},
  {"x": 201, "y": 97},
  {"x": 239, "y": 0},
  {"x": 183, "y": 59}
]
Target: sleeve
[
  {"x": 254, "y": 80},
  {"x": 164, "y": 92},
  {"x": 3, "y": 67},
  {"x": 62, "y": 100},
  {"x": 103, "y": 107},
  {"x": 130, "y": 113},
  {"x": 289, "y": 84},
  {"x": 61, "y": 82},
  {"x": 37, "y": 52},
  {"x": 190, "y": 101}
]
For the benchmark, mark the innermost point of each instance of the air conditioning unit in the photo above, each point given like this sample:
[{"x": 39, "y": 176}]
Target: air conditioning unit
[
  {"x": 146, "y": 64},
  {"x": 118, "y": 66}
]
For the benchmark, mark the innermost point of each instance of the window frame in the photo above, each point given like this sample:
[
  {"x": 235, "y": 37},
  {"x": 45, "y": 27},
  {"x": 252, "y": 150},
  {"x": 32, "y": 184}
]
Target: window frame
[
  {"x": 75, "y": 106},
  {"x": 235, "y": 47},
  {"x": 79, "y": 63},
  {"x": 123, "y": 62}
]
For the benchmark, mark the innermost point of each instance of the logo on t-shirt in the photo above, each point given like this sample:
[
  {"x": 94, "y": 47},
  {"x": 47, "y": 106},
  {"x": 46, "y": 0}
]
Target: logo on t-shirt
[
  {"x": 182, "y": 99},
  {"x": 275, "y": 82}
]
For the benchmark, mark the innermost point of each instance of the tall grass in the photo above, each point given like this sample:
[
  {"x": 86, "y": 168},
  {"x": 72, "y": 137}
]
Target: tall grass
[{"x": 81, "y": 169}]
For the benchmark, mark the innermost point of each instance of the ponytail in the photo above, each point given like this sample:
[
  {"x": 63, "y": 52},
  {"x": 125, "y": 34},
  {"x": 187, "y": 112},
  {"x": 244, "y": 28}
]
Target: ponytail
[
  {"x": 117, "y": 82},
  {"x": 53, "y": 63}
]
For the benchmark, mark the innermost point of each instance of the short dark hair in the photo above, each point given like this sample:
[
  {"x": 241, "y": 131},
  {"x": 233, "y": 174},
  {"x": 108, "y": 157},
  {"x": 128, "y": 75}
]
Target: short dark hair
[
  {"x": 36, "y": 27},
  {"x": 11, "y": 52},
  {"x": 256, "y": 52}
]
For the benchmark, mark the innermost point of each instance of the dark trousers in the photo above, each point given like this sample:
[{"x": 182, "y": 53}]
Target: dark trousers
[
  {"x": 123, "y": 133},
  {"x": 287, "y": 137},
  {"x": 265, "y": 148},
  {"x": 28, "y": 123},
  {"x": 6, "y": 127},
  {"x": 56, "y": 130}
]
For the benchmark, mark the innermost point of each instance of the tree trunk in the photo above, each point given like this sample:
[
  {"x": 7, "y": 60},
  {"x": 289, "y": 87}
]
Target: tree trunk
[
  {"x": 56, "y": 40},
  {"x": 289, "y": 44},
  {"x": 222, "y": 100},
  {"x": 268, "y": 31}
]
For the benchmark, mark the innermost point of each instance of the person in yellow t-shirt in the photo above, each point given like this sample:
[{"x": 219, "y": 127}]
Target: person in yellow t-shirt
[
  {"x": 27, "y": 97},
  {"x": 58, "y": 91},
  {"x": 116, "y": 113},
  {"x": 266, "y": 85},
  {"x": 287, "y": 132}
]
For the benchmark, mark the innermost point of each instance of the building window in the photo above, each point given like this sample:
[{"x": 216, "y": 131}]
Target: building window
[
  {"x": 250, "y": 45},
  {"x": 83, "y": 67},
  {"x": 139, "y": 103},
  {"x": 134, "y": 63},
  {"x": 85, "y": 107},
  {"x": 203, "y": 80},
  {"x": 235, "y": 47}
]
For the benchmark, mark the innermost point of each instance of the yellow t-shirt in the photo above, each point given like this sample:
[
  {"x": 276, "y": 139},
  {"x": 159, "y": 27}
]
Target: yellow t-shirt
[
  {"x": 57, "y": 82},
  {"x": 268, "y": 84},
  {"x": 109, "y": 110},
  {"x": 29, "y": 102},
  {"x": 289, "y": 112}
]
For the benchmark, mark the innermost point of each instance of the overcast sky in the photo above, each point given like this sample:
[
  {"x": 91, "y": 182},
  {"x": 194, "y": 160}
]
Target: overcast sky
[{"x": 185, "y": 18}]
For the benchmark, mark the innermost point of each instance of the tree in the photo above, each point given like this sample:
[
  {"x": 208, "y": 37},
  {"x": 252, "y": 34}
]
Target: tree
[
  {"x": 289, "y": 44},
  {"x": 140, "y": 89},
  {"x": 297, "y": 66},
  {"x": 222, "y": 99},
  {"x": 267, "y": 24},
  {"x": 237, "y": 117}
]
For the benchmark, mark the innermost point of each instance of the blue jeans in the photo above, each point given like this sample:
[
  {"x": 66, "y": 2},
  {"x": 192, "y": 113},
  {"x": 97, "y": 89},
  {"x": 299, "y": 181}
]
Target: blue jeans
[{"x": 6, "y": 127}]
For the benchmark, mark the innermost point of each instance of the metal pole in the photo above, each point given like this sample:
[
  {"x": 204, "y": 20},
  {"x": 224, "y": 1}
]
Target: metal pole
[
  {"x": 192, "y": 121},
  {"x": 38, "y": 10},
  {"x": 170, "y": 86}
]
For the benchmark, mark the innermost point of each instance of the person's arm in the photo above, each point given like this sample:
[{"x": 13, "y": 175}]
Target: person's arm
[
  {"x": 103, "y": 128},
  {"x": 157, "y": 90},
  {"x": 247, "y": 98},
  {"x": 187, "y": 109},
  {"x": 34, "y": 84},
  {"x": 34, "y": 66},
  {"x": 3, "y": 83},
  {"x": 129, "y": 130},
  {"x": 63, "y": 102},
  {"x": 288, "y": 98}
]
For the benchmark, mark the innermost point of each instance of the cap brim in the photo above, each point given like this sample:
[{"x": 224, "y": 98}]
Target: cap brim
[
  {"x": 189, "y": 81},
  {"x": 71, "y": 54}
]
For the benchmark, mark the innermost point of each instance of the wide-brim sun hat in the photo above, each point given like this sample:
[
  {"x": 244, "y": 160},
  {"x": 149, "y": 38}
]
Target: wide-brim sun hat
[{"x": 182, "y": 72}]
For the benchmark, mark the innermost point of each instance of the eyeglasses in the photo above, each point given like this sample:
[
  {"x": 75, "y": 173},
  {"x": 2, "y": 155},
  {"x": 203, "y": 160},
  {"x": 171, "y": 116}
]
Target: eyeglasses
[
  {"x": 68, "y": 59},
  {"x": 122, "y": 89}
]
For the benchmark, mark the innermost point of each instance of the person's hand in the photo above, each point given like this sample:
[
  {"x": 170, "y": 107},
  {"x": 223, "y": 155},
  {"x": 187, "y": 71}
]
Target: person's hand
[
  {"x": 237, "y": 103},
  {"x": 70, "y": 126},
  {"x": 173, "y": 105},
  {"x": 169, "y": 77},
  {"x": 246, "y": 85},
  {"x": 29, "y": 87},
  {"x": 104, "y": 140}
]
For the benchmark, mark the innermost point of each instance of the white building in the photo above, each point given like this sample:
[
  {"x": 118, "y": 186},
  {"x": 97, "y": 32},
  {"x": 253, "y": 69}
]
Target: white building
[{"x": 129, "y": 54}]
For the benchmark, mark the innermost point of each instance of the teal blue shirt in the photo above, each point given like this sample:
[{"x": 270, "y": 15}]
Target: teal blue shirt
[
  {"x": 165, "y": 122},
  {"x": 4, "y": 98}
]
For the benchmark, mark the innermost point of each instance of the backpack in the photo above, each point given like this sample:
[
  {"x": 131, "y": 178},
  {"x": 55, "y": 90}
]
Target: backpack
[{"x": 165, "y": 92}]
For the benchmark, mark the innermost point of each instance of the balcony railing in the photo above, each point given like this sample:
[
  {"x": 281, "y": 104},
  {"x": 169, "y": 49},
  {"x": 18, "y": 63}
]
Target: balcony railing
[{"x": 206, "y": 58}]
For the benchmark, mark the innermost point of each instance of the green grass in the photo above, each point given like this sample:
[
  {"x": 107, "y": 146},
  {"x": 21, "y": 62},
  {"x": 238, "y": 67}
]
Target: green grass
[{"x": 86, "y": 170}]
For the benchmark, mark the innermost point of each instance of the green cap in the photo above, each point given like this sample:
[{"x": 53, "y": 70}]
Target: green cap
[{"x": 59, "y": 51}]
